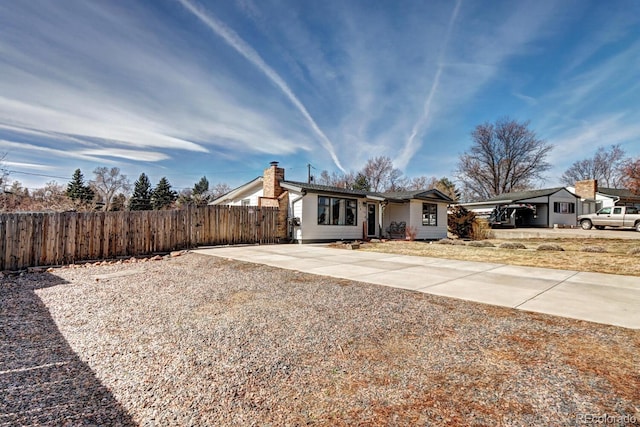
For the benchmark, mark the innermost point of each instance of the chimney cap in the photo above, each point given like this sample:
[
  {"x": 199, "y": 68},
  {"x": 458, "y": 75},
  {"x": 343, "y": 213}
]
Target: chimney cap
[{"x": 273, "y": 163}]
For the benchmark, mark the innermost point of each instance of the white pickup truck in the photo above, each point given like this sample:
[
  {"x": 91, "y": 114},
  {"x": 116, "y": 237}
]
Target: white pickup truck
[{"x": 615, "y": 216}]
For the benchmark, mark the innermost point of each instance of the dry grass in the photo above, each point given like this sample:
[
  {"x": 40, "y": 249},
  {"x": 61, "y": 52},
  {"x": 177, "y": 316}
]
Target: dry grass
[
  {"x": 512, "y": 245},
  {"x": 597, "y": 249},
  {"x": 619, "y": 256}
]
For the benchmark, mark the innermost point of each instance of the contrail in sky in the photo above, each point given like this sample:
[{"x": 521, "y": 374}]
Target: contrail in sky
[
  {"x": 244, "y": 49},
  {"x": 411, "y": 145}
]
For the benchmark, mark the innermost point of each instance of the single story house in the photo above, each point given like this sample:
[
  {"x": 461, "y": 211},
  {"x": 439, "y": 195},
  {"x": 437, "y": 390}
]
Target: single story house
[
  {"x": 318, "y": 213},
  {"x": 533, "y": 208},
  {"x": 593, "y": 198}
]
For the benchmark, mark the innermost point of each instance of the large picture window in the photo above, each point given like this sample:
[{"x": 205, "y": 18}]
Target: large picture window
[
  {"x": 429, "y": 214},
  {"x": 564, "y": 207},
  {"x": 337, "y": 211}
]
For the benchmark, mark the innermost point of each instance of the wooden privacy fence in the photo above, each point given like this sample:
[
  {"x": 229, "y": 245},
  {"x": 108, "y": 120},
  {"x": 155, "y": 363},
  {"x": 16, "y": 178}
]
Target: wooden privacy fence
[{"x": 40, "y": 239}]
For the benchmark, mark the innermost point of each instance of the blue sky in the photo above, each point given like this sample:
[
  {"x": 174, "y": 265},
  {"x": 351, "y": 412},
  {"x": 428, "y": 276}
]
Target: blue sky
[{"x": 186, "y": 88}]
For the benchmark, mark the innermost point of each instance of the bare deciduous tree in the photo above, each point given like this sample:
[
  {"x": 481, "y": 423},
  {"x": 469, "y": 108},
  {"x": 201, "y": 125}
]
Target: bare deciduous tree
[
  {"x": 606, "y": 166},
  {"x": 51, "y": 197},
  {"x": 631, "y": 175},
  {"x": 382, "y": 176},
  {"x": 421, "y": 182},
  {"x": 333, "y": 179},
  {"x": 108, "y": 182},
  {"x": 14, "y": 198},
  {"x": 4, "y": 172},
  {"x": 219, "y": 189},
  {"x": 505, "y": 156}
]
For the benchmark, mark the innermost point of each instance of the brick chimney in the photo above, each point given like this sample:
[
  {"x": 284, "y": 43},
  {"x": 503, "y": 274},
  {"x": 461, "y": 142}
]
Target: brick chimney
[
  {"x": 587, "y": 189},
  {"x": 274, "y": 196},
  {"x": 271, "y": 181}
]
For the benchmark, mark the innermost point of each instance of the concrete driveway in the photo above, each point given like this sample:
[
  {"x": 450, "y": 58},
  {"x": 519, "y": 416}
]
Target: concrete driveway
[{"x": 596, "y": 297}]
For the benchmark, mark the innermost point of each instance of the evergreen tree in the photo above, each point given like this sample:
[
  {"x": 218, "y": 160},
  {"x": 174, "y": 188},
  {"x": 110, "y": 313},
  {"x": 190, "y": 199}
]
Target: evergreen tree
[
  {"x": 78, "y": 191},
  {"x": 163, "y": 196},
  {"x": 201, "y": 187},
  {"x": 200, "y": 193},
  {"x": 361, "y": 183},
  {"x": 141, "y": 198}
]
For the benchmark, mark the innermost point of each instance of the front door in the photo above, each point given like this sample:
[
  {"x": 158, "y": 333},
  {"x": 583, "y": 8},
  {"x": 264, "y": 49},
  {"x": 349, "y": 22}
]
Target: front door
[{"x": 371, "y": 219}]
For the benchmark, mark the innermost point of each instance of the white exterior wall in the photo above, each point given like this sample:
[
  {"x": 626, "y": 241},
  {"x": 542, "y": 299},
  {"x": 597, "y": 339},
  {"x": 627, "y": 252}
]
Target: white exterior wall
[
  {"x": 411, "y": 214},
  {"x": 310, "y": 230},
  {"x": 253, "y": 198},
  {"x": 428, "y": 232},
  {"x": 394, "y": 212}
]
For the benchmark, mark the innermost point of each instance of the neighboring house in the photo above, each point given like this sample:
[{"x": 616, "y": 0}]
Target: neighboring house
[
  {"x": 534, "y": 208},
  {"x": 593, "y": 198},
  {"x": 318, "y": 213}
]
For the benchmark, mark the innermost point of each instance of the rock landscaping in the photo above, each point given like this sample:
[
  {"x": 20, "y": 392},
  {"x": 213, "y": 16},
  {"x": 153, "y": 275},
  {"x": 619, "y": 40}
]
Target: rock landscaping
[{"x": 200, "y": 340}]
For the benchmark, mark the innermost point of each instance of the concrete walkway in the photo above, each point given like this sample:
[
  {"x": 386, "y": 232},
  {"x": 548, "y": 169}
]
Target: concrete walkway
[{"x": 596, "y": 297}]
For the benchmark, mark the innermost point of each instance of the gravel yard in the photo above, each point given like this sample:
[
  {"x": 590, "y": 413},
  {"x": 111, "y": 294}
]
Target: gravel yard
[{"x": 200, "y": 340}]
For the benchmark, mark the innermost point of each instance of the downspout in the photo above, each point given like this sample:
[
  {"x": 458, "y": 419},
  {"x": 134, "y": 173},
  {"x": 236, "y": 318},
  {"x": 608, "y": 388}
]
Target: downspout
[
  {"x": 548, "y": 211},
  {"x": 383, "y": 205}
]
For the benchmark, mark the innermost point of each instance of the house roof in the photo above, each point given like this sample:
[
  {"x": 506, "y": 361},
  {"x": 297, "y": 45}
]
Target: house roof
[
  {"x": 317, "y": 188},
  {"x": 529, "y": 194},
  {"x": 622, "y": 193},
  {"x": 393, "y": 196},
  {"x": 516, "y": 196},
  {"x": 397, "y": 196},
  {"x": 416, "y": 194}
]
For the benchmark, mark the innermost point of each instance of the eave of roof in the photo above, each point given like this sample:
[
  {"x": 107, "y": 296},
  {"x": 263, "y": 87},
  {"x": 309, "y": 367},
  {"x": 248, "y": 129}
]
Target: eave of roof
[
  {"x": 404, "y": 196},
  {"x": 618, "y": 192},
  {"x": 524, "y": 195},
  {"x": 325, "y": 189}
]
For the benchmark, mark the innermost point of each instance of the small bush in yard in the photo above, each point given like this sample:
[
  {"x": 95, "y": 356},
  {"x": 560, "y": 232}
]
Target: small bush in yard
[
  {"x": 411, "y": 233},
  {"x": 450, "y": 242},
  {"x": 597, "y": 249},
  {"x": 481, "y": 229},
  {"x": 634, "y": 251},
  {"x": 549, "y": 247},
  {"x": 512, "y": 245},
  {"x": 481, "y": 244}
]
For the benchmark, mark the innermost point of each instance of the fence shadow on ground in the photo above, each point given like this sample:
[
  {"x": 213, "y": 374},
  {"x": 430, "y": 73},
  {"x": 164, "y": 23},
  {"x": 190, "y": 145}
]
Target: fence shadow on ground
[{"x": 42, "y": 381}]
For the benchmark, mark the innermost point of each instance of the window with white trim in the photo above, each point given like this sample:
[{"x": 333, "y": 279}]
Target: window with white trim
[
  {"x": 337, "y": 211},
  {"x": 564, "y": 207},
  {"x": 429, "y": 214}
]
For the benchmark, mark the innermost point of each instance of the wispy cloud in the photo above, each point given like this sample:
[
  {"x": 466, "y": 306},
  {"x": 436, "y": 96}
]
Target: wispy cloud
[
  {"x": 237, "y": 43},
  {"x": 35, "y": 166},
  {"x": 9, "y": 146},
  {"x": 189, "y": 87},
  {"x": 106, "y": 81},
  {"x": 411, "y": 146},
  {"x": 590, "y": 108}
]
